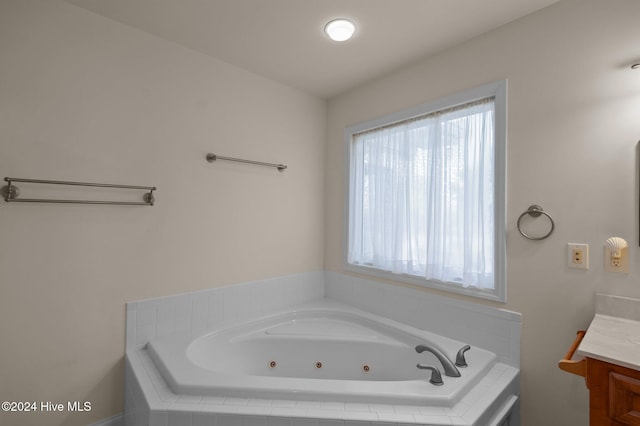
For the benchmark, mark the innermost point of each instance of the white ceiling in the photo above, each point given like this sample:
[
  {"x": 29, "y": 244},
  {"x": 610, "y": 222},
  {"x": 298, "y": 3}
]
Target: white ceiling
[{"x": 283, "y": 39}]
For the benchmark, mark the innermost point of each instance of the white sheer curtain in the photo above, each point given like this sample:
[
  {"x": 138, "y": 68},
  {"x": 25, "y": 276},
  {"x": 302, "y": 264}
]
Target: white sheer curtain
[{"x": 422, "y": 196}]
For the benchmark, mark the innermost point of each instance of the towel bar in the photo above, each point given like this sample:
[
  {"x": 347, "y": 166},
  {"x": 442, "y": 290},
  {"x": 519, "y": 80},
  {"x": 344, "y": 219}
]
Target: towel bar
[
  {"x": 11, "y": 192},
  {"x": 574, "y": 367}
]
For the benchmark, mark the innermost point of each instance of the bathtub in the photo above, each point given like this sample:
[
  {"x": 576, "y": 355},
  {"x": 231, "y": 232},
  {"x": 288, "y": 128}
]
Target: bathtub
[{"x": 322, "y": 351}]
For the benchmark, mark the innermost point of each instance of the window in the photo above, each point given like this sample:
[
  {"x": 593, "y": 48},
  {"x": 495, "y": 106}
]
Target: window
[{"x": 426, "y": 195}]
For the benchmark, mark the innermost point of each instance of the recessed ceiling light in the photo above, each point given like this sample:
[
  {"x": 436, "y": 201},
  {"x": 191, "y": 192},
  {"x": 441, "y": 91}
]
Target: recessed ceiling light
[{"x": 340, "y": 29}]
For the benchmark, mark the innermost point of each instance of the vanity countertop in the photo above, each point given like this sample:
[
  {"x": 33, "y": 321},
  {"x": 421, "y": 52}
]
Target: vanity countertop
[{"x": 614, "y": 333}]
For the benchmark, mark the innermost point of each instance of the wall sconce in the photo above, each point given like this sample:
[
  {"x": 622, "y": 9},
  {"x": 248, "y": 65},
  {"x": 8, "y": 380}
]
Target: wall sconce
[{"x": 616, "y": 255}]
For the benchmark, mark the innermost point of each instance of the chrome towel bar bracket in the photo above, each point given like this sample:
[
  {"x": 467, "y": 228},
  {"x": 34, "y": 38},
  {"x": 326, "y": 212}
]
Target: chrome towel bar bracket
[{"x": 535, "y": 211}]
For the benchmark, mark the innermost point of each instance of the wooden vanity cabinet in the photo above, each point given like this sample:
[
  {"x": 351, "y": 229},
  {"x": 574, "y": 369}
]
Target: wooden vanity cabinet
[
  {"x": 614, "y": 394},
  {"x": 610, "y": 361},
  {"x": 614, "y": 390}
]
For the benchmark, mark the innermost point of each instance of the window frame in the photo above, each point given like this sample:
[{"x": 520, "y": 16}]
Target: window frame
[{"x": 498, "y": 90}]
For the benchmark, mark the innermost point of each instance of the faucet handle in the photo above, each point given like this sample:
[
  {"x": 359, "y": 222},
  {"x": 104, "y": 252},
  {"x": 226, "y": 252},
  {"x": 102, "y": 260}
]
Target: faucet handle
[
  {"x": 436, "y": 377},
  {"x": 460, "y": 360}
]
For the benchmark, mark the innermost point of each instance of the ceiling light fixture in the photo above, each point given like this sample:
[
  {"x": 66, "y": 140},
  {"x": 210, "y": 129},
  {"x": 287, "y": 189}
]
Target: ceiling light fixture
[{"x": 340, "y": 29}]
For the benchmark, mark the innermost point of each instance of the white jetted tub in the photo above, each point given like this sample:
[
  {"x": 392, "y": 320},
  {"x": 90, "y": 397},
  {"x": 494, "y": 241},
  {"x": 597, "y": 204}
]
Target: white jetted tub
[{"x": 323, "y": 352}]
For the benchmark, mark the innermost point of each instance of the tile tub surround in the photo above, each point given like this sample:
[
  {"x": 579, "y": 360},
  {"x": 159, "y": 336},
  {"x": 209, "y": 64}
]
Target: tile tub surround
[
  {"x": 202, "y": 310},
  {"x": 150, "y": 402},
  {"x": 496, "y": 330}
]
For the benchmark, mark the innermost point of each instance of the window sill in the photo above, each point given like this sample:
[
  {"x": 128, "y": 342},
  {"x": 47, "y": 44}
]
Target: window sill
[{"x": 450, "y": 287}]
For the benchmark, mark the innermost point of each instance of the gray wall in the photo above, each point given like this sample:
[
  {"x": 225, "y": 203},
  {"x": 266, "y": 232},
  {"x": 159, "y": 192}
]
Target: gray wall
[
  {"x": 83, "y": 98},
  {"x": 573, "y": 130}
]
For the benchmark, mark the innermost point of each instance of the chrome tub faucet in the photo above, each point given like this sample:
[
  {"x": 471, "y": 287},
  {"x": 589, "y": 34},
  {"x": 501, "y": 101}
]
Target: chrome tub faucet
[
  {"x": 436, "y": 377},
  {"x": 460, "y": 360},
  {"x": 449, "y": 367}
]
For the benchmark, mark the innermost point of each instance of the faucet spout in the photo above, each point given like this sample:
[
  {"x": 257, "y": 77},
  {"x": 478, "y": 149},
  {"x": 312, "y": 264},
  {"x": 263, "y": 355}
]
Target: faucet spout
[{"x": 449, "y": 367}]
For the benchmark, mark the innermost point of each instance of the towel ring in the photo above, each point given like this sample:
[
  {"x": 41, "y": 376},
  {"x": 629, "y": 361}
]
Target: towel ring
[{"x": 535, "y": 211}]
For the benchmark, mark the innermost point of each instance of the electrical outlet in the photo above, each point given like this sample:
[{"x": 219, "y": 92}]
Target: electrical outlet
[
  {"x": 620, "y": 264},
  {"x": 578, "y": 256}
]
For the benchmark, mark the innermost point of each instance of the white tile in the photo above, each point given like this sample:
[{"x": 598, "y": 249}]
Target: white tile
[
  {"x": 212, "y": 400},
  {"x": 284, "y": 289},
  {"x": 329, "y": 422},
  {"x": 146, "y": 312},
  {"x": 215, "y": 309},
  {"x": 431, "y": 411},
  {"x": 182, "y": 406},
  {"x": 254, "y": 421},
  {"x": 191, "y": 399},
  {"x": 341, "y": 288},
  {"x": 396, "y": 418},
  {"x": 236, "y": 401},
  {"x": 431, "y": 420},
  {"x": 244, "y": 309},
  {"x": 183, "y": 312},
  {"x": 458, "y": 421},
  {"x": 231, "y": 305},
  {"x": 326, "y": 414},
  {"x": 336, "y": 406},
  {"x": 289, "y": 412},
  {"x": 178, "y": 419},
  {"x": 164, "y": 393},
  {"x": 370, "y": 297},
  {"x": 260, "y": 402},
  {"x": 229, "y": 420},
  {"x": 268, "y": 297},
  {"x": 254, "y": 304},
  {"x": 201, "y": 419},
  {"x": 145, "y": 322},
  {"x": 144, "y": 333},
  {"x": 406, "y": 409},
  {"x": 513, "y": 358},
  {"x": 360, "y": 416},
  {"x": 246, "y": 410},
  {"x": 305, "y": 422},
  {"x": 382, "y": 408},
  {"x": 199, "y": 313},
  {"x": 356, "y": 407},
  {"x": 311, "y": 286},
  {"x": 308, "y": 404},
  {"x": 165, "y": 317},
  {"x": 242, "y": 410},
  {"x": 279, "y": 421},
  {"x": 282, "y": 403},
  {"x": 158, "y": 418}
]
